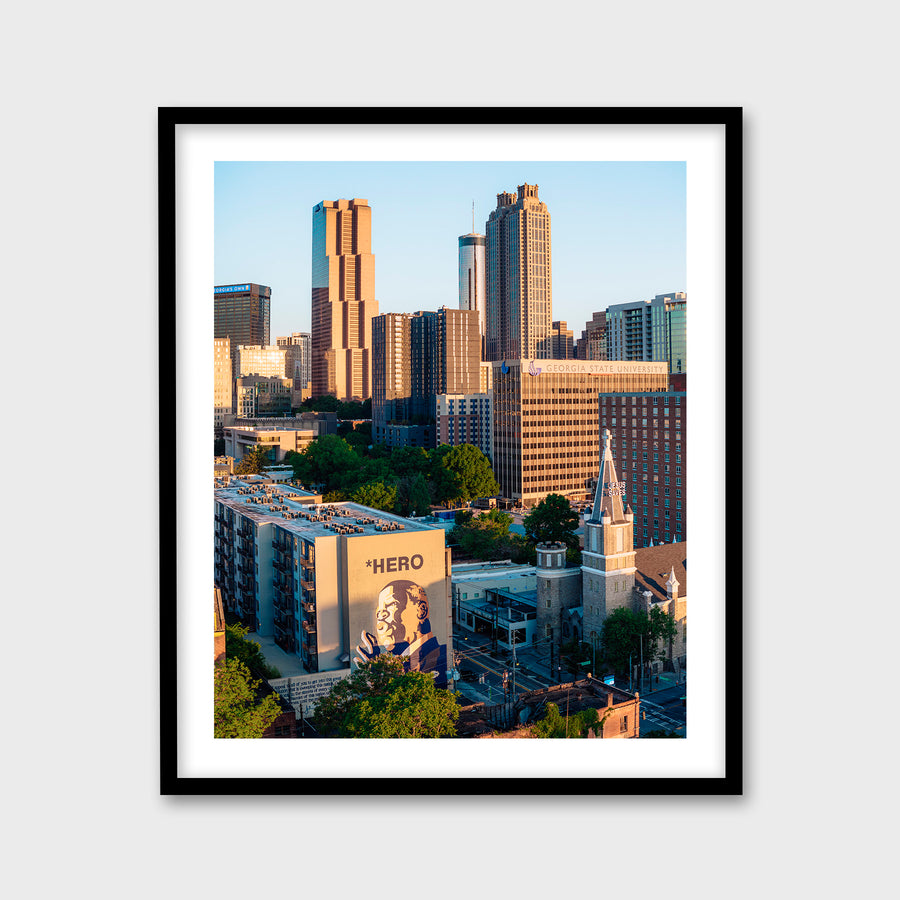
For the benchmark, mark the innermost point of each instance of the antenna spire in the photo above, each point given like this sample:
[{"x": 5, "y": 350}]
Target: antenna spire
[{"x": 473, "y": 217}]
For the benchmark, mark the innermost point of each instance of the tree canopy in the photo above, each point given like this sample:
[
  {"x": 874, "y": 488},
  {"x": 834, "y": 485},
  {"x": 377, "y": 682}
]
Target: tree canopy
[
  {"x": 254, "y": 461},
  {"x": 474, "y": 475},
  {"x": 238, "y": 646},
  {"x": 239, "y": 712},
  {"x": 553, "y": 519},
  {"x": 627, "y": 634},
  {"x": 380, "y": 700},
  {"x": 376, "y": 495}
]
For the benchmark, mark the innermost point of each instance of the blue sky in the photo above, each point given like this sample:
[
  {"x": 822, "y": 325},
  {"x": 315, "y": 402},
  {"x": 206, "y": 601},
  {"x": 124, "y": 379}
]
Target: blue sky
[{"x": 617, "y": 228}]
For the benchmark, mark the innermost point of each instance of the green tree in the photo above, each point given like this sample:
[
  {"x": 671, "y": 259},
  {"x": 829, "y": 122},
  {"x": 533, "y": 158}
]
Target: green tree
[
  {"x": 626, "y": 633},
  {"x": 474, "y": 475},
  {"x": 620, "y": 638},
  {"x": 380, "y": 700},
  {"x": 239, "y": 712},
  {"x": 239, "y": 646},
  {"x": 661, "y": 631},
  {"x": 419, "y": 498},
  {"x": 254, "y": 461},
  {"x": 555, "y": 725},
  {"x": 482, "y": 537},
  {"x": 376, "y": 495},
  {"x": 553, "y": 519},
  {"x": 324, "y": 403},
  {"x": 328, "y": 461}
]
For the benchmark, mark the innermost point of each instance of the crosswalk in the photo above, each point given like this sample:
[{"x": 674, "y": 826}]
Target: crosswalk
[{"x": 653, "y": 716}]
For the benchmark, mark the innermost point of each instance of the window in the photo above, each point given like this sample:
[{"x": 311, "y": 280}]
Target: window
[{"x": 623, "y": 724}]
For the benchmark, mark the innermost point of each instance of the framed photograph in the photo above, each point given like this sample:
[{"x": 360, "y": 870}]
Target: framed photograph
[{"x": 540, "y": 261}]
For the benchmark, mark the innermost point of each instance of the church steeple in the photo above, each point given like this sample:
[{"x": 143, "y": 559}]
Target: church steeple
[
  {"x": 608, "y": 498},
  {"x": 608, "y": 559}
]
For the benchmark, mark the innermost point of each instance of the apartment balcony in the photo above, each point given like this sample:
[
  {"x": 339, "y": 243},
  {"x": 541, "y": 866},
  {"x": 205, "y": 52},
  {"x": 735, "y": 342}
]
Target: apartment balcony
[
  {"x": 309, "y": 586},
  {"x": 308, "y": 627},
  {"x": 309, "y": 607}
]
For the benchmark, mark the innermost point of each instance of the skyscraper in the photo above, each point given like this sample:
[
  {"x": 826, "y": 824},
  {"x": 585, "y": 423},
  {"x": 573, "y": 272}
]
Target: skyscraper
[
  {"x": 518, "y": 282},
  {"x": 343, "y": 299},
  {"x": 650, "y": 330},
  {"x": 242, "y": 313},
  {"x": 471, "y": 275},
  {"x": 417, "y": 357},
  {"x": 561, "y": 341}
]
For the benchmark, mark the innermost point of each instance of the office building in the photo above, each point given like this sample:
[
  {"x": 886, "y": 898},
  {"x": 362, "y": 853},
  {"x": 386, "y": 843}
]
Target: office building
[
  {"x": 649, "y": 330},
  {"x": 592, "y": 344},
  {"x": 391, "y": 371},
  {"x": 268, "y": 361},
  {"x": 518, "y": 277},
  {"x": 546, "y": 422},
  {"x": 343, "y": 299},
  {"x": 276, "y": 436},
  {"x": 223, "y": 384},
  {"x": 417, "y": 357},
  {"x": 334, "y": 583},
  {"x": 297, "y": 363},
  {"x": 561, "y": 341},
  {"x": 242, "y": 313},
  {"x": 649, "y": 442},
  {"x": 471, "y": 276},
  {"x": 258, "y": 396}
]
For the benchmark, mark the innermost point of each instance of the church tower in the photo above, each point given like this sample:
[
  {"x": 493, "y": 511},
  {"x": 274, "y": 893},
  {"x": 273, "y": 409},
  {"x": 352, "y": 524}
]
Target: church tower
[{"x": 608, "y": 564}]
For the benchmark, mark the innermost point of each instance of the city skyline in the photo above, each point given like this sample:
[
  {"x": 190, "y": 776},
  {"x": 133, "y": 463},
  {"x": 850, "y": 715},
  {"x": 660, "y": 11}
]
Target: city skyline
[{"x": 618, "y": 229}]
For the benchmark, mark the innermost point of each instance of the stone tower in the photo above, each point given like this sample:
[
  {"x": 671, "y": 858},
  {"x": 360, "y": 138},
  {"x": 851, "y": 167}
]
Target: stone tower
[
  {"x": 608, "y": 556},
  {"x": 558, "y": 589}
]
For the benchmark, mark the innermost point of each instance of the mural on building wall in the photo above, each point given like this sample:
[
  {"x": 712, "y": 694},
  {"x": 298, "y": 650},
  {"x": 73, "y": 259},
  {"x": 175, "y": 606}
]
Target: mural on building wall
[{"x": 403, "y": 628}]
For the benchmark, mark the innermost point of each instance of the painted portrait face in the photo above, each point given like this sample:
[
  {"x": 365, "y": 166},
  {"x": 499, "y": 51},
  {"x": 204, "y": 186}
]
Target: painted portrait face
[{"x": 402, "y": 606}]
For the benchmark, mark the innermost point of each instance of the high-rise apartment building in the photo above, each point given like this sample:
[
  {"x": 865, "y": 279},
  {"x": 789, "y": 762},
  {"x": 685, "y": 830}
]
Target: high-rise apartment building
[
  {"x": 242, "y": 313},
  {"x": 223, "y": 383},
  {"x": 343, "y": 299},
  {"x": 465, "y": 419},
  {"x": 649, "y": 330},
  {"x": 561, "y": 341},
  {"x": 518, "y": 282},
  {"x": 334, "y": 583},
  {"x": 546, "y": 422},
  {"x": 471, "y": 275},
  {"x": 668, "y": 330}
]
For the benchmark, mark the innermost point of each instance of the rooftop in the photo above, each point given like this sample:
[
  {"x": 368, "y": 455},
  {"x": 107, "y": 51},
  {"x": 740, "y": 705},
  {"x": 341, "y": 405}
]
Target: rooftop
[
  {"x": 289, "y": 508},
  {"x": 655, "y": 564}
]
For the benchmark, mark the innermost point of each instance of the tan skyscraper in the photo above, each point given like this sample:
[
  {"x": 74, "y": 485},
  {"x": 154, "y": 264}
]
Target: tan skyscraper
[
  {"x": 518, "y": 288},
  {"x": 343, "y": 299}
]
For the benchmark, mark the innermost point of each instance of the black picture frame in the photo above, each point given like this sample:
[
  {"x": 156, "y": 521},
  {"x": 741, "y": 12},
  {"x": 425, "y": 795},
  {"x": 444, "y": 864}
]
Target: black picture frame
[{"x": 171, "y": 780}]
